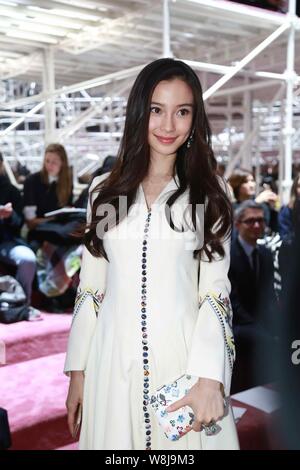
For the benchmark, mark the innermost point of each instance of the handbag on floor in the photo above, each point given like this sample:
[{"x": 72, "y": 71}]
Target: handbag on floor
[{"x": 13, "y": 304}]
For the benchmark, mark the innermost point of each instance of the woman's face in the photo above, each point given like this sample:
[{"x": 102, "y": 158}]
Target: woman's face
[
  {"x": 247, "y": 189},
  {"x": 52, "y": 163},
  {"x": 171, "y": 117}
]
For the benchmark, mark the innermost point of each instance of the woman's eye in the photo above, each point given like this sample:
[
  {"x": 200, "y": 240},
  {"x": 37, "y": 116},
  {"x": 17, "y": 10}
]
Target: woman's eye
[
  {"x": 183, "y": 112},
  {"x": 154, "y": 109}
]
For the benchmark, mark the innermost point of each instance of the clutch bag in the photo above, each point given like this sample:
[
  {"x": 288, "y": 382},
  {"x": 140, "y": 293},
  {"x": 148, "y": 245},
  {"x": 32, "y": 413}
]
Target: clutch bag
[{"x": 177, "y": 423}]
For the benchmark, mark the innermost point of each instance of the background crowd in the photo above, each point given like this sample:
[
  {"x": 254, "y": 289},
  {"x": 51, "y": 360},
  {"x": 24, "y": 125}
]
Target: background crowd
[{"x": 42, "y": 252}]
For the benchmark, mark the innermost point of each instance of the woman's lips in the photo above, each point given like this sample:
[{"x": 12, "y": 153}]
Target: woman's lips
[{"x": 166, "y": 140}]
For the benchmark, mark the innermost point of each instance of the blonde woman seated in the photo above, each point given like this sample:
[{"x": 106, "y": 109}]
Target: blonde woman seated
[{"x": 49, "y": 189}]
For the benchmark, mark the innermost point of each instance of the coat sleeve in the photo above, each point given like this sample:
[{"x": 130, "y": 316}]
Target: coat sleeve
[
  {"x": 212, "y": 351},
  {"x": 90, "y": 294}
]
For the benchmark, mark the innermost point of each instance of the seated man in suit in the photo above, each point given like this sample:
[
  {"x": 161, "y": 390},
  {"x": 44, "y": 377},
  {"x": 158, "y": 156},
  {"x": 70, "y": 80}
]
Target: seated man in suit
[{"x": 253, "y": 298}]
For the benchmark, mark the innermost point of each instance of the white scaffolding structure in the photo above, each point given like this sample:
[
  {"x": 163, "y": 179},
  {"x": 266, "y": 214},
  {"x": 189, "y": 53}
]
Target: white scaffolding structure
[{"x": 248, "y": 69}]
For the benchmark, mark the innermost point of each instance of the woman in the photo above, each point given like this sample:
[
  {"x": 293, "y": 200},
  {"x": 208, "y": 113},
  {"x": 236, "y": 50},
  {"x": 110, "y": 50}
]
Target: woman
[
  {"x": 13, "y": 250},
  {"x": 48, "y": 189},
  {"x": 137, "y": 323},
  {"x": 243, "y": 185},
  {"x": 286, "y": 214}
]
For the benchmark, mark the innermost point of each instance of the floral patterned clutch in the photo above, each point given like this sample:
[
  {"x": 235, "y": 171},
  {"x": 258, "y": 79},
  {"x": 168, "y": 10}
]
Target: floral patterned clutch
[{"x": 177, "y": 423}]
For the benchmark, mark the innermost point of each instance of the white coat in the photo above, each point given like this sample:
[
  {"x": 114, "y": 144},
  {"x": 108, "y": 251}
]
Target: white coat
[{"x": 142, "y": 320}]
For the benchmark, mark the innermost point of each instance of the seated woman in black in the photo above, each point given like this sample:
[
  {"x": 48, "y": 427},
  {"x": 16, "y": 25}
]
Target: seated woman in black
[
  {"x": 47, "y": 190},
  {"x": 13, "y": 250}
]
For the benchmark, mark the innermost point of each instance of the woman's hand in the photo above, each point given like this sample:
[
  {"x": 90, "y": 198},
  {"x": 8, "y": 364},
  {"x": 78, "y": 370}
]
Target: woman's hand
[
  {"x": 206, "y": 400},
  {"x": 267, "y": 196},
  {"x": 6, "y": 211},
  {"x": 74, "y": 398},
  {"x": 33, "y": 223}
]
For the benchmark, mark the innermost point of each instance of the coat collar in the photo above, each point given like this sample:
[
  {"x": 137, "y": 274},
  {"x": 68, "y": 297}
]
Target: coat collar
[{"x": 171, "y": 186}]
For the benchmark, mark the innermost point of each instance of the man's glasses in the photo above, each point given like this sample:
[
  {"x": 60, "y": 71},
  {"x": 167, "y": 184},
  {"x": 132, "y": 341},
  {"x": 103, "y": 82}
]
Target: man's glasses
[{"x": 254, "y": 220}]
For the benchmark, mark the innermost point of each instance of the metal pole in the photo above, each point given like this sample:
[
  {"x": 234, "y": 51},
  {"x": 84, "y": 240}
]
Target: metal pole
[
  {"x": 252, "y": 134},
  {"x": 87, "y": 84},
  {"x": 280, "y": 161},
  {"x": 166, "y": 30},
  {"x": 49, "y": 87},
  {"x": 247, "y": 104},
  {"x": 240, "y": 89},
  {"x": 223, "y": 69},
  {"x": 289, "y": 130},
  {"x": 128, "y": 73},
  {"x": 10, "y": 173},
  {"x": 257, "y": 161},
  {"x": 19, "y": 121},
  {"x": 225, "y": 7},
  {"x": 229, "y": 126},
  {"x": 204, "y": 81},
  {"x": 231, "y": 165},
  {"x": 255, "y": 52}
]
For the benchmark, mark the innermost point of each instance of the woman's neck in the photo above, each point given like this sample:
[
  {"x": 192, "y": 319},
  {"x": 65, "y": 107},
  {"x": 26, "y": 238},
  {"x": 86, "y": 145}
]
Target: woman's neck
[{"x": 161, "y": 169}]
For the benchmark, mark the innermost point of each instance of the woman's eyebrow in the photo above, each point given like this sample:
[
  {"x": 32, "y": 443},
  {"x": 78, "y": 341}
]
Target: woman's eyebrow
[{"x": 177, "y": 106}]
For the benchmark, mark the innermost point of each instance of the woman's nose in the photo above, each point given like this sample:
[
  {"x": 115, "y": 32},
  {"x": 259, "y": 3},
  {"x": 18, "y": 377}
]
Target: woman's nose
[{"x": 168, "y": 123}]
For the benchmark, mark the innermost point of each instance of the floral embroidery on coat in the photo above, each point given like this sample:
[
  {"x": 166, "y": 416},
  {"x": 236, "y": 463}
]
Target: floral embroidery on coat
[
  {"x": 82, "y": 295},
  {"x": 223, "y": 310}
]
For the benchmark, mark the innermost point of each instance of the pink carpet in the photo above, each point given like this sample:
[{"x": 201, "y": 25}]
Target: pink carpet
[
  {"x": 2, "y": 352},
  {"x": 73, "y": 446},
  {"x": 28, "y": 340},
  {"x": 33, "y": 390},
  {"x": 34, "y": 394}
]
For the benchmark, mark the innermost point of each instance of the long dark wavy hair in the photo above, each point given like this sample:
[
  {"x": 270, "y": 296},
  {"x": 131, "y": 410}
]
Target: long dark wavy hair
[{"x": 195, "y": 165}]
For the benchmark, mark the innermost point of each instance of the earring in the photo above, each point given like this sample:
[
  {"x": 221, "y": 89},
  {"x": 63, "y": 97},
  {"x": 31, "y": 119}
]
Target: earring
[{"x": 190, "y": 139}]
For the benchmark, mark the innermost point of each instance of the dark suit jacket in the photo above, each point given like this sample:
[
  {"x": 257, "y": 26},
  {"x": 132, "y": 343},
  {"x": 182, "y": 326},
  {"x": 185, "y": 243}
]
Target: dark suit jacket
[
  {"x": 287, "y": 358},
  {"x": 252, "y": 302},
  {"x": 37, "y": 193},
  {"x": 10, "y": 228},
  {"x": 255, "y": 318}
]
